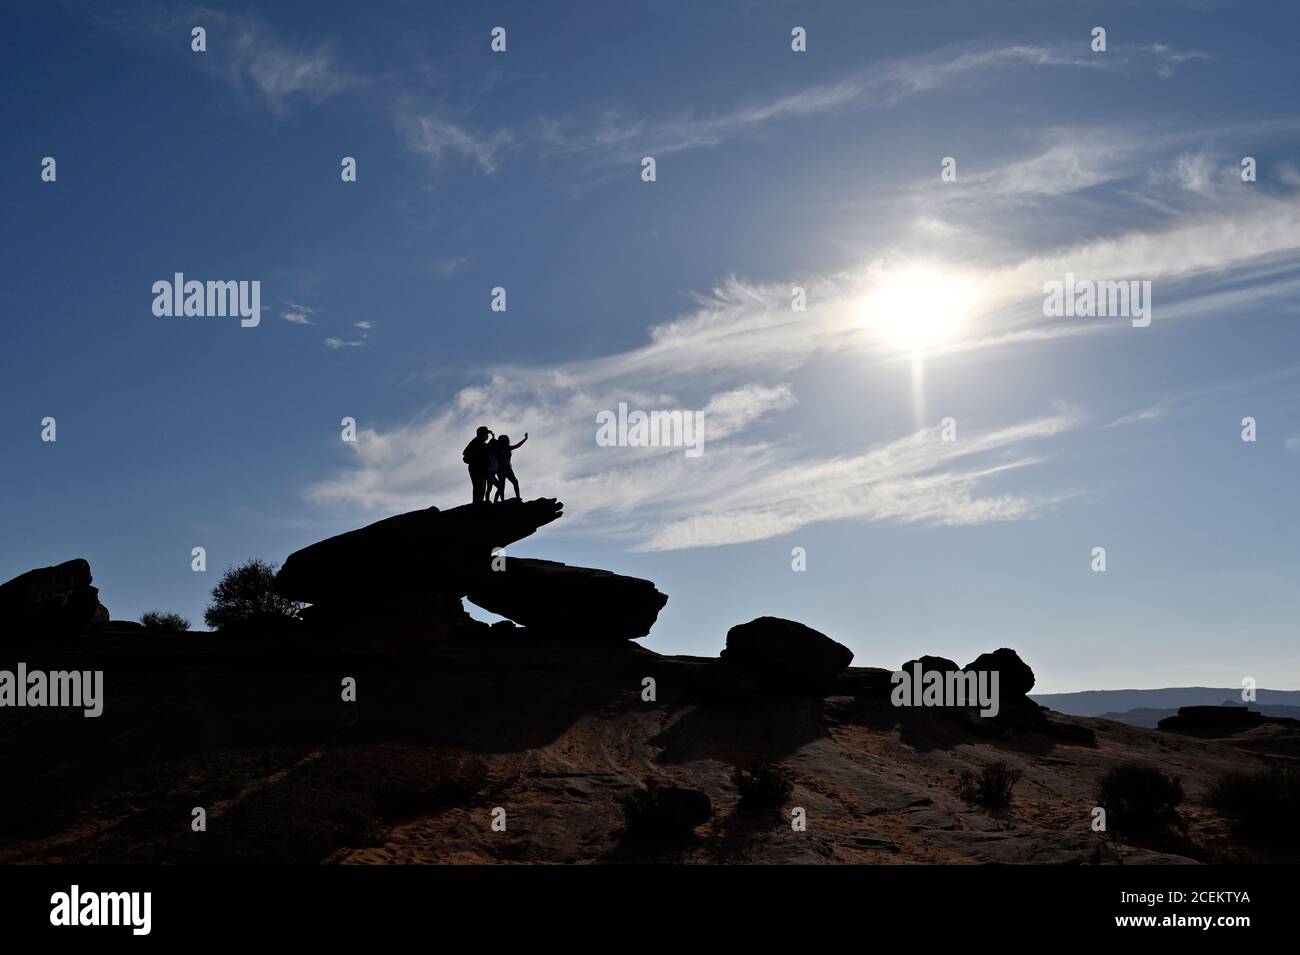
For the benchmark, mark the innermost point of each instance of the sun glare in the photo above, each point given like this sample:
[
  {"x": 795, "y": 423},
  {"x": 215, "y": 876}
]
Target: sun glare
[{"x": 919, "y": 308}]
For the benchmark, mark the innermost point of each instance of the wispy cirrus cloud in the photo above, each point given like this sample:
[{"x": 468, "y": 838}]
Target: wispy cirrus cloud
[
  {"x": 734, "y": 355},
  {"x": 744, "y": 487},
  {"x": 1167, "y": 59},
  {"x": 1237, "y": 235},
  {"x": 247, "y": 54},
  {"x": 242, "y": 50},
  {"x": 1146, "y": 414},
  {"x": 916, "y": 479},
  {"x": 1169, "y": 173},
  {"x": 1189, "y": 399},
  {"x": 445, "y": 268},
  {"x": 436, "y": 138},
  {"x": 750, "y": 484},
  {"x": 297, "y": 314},
  {"x": 1194, "y": 171},
  {"x": 615, "y": 136},
  {"x": 612, "y": 138},
  {"x": 278, "y": 73}
]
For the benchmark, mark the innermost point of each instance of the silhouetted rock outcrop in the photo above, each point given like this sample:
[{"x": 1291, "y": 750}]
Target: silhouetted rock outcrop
[
  {"x": 417, "y": 553},
  {"x": 929, "y": 663},
  {"x": 51, "y": 600},
  {"x": 1015, "y": 678},
  {"x": 785, "y": 653},
  {"x": 1212, "y": 722},
  {"x": 550, "y": 597},
  {"x": 409, "y": 573},
  {"x": 1016, "y": 713}
]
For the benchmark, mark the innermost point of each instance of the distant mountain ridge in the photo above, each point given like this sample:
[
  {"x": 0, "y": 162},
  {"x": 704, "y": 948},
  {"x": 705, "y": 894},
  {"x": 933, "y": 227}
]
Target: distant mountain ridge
[{"x": 1111, "y": 702}]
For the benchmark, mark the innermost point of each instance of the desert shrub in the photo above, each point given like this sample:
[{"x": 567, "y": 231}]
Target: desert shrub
[
  {"x": 245, "y": 599},
  {"x": 162, "y": 620},
  {"x": 1261, "y": 807},
  {"x": 990, "y": 787},
  {"x": 665, "y": 813},
  {"x": 762, "y": 786},
  {"x": 1139, "y": 800}
]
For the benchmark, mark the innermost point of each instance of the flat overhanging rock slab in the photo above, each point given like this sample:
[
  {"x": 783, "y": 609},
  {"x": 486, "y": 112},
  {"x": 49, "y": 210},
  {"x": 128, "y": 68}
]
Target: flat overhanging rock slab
[
  {"x": 549, "y": 596},
  {"x": 419, "y": 552}
]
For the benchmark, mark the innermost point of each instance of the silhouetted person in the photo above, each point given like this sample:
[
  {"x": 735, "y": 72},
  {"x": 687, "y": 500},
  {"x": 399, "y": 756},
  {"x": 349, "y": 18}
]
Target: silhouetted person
[
  {"x": 501, "y": 451},
  {"x": 476, "y": 456}
]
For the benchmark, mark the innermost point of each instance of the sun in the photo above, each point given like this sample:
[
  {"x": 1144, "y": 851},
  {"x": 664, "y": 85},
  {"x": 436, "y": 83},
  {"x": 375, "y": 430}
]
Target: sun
[{"x": 919, "y": 308}]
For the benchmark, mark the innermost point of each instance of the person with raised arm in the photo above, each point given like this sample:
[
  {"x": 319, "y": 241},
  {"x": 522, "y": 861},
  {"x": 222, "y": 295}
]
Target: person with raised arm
[{"x": 502, "y": 449}]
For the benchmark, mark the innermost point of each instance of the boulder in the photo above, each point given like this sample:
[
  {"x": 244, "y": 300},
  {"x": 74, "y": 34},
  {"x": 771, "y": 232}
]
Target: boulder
[
  {"x": 583, "y": 602},
  {"x": 785, "y": 652},
  {"x": 413, "y": 554},
  {"x": 1015, "y": 678},
  {"x": 919, "y": 684},
  {"x": 928, "y": 663},
  {"x": 52, "y": 600}
]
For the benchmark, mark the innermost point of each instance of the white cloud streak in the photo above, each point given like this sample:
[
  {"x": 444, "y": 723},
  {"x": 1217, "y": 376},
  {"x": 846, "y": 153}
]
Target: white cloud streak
[
  {"x": 756, "y": 477},
  {"x": 612, "y": 138},
  {"x": 436, "y": 138},
  {"x": 245, "y": 52}
]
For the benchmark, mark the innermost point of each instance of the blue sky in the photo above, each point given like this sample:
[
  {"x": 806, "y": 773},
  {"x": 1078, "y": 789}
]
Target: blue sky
[{"x": 774, "y": 169}]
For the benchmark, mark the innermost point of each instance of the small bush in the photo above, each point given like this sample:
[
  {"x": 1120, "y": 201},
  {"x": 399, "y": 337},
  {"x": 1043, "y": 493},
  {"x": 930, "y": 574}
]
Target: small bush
[
  {"x": 161, "y": 620},
  {"x": 664, "y": 813},
  {"x": 991, "y": 787},
  {"x": 245, "y": 599},
  {"x": 761, "y": 787},
  {"x": 1261, "y": 807},
  {"x": 1139, "y": 800}
]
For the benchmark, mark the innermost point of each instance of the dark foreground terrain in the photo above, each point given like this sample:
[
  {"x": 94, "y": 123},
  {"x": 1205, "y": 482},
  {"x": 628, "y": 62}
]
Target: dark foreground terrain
[{"x": 442, "y": 733}]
